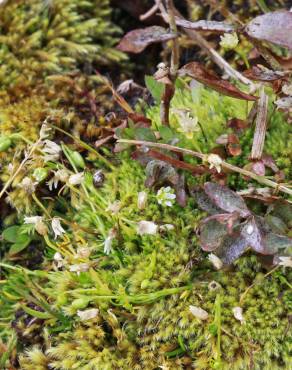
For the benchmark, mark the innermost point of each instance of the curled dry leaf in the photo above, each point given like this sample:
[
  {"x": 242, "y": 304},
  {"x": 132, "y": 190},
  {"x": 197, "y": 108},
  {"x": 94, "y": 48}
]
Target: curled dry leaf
[
  {"x": 237, "y": 125},
  {"x": 260, "y": 73},
  {"x": 208, "y": 78},
  {"x": 275, "y": 27},
  {"x": 211, "y": 26},
  {"x": 137, "y": 40}
]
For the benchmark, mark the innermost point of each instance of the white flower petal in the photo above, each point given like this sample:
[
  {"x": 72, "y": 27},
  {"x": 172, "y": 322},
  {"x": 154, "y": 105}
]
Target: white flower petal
[
  {"x": 142, "y": 199},
  {"x": 57, "y": 227},
  {"x": 285, "y": 261},
  {"x": 216, "y": 261},
  {"x": 76, "y": 179},
  {"x": 147, "y": 228},
  {"x": 89, "y": 314},
  {"x": 237, "y": 313},
  {"x": 198, "y": 312}
]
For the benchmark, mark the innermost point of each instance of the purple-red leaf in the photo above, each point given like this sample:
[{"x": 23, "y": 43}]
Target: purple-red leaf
[
  {"x": 275, "y": 27},
  {"x": 137, "y": 40},
  {"x": 204, "y": 202},
  {"x": 208, "y": 78},
  {"x": 226, "y": 199}
]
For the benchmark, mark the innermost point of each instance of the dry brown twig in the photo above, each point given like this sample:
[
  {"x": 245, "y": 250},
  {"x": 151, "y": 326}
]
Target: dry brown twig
[{"x": 261, "y": 126}]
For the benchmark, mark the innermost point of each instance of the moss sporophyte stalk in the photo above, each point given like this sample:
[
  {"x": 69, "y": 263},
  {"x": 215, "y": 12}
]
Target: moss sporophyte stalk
[{"x": 101, "y": 262}]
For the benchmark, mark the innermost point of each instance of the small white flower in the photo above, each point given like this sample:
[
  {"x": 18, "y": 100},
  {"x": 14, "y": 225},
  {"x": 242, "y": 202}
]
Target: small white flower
[
  {"x": 147, "y": 228},
  {"x": 237, "y": 313},
  {"x": 215, "y": 161},
  {"x": 83, "y": 252},
  {"x": 57, "y": 227},
  {"x": 188, "y": 124},
  {"x": 28, "y": 185},
  {"x": 52, "y": 151},
  {"x": 38, "y": 223},
  {"x": 216, "y": 261},
  {"x": 60, "y": 175},
  {"x": 44, "y": 131},
  {"x": 109, "y": 241},
  {"x": 76, "y": 179},
  {"x": 142, "y": 199},
  {"x": 59, "y": 259},
  {"x": 287, "y": 89},
  {"x": 284, "y": 103},
  {"x": 114, "y": 208},
  {"x": 199, "y": 313},
  {"x": 80, "y": 267},
  {"x": 285, "y": 261},
  {"x": 229, "y": 41},
  {"x": 165, "y": 196},
  {"x": 166, "y": 227},
  {"x": 88, "y": 314}
]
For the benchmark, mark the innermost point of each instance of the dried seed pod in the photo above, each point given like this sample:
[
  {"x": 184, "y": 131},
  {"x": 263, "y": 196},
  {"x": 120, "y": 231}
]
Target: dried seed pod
[{"x": 98, "y": 178}]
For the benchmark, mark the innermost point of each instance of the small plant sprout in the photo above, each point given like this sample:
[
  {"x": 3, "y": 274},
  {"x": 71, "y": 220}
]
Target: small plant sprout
[
  {"x": 38, "y": 223},
  {"x": 147, "y": 228},
  {"x": 198, "y": 312},
  {"x": 215, "y": 161},
  {"x": 57, "y": 227},
  {"x": 52, "y": 151},
  {"x": 40, "y": 174},
  {"x": 229, "y": 41},
  {"x": 165, "y": 196},
  {"x": 89, "y": 314}
]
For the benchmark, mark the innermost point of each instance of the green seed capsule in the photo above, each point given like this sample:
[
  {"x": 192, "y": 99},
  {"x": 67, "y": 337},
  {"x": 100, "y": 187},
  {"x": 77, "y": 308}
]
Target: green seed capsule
[
  {"x": 5, "y": 143},
  {"x": 40, "y": 174},
  {"x": 77, "y": 159},
  {"x": 80, "y": 303}
]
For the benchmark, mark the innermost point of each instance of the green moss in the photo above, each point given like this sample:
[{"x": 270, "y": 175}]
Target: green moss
[{"x": 143, "y": 291}]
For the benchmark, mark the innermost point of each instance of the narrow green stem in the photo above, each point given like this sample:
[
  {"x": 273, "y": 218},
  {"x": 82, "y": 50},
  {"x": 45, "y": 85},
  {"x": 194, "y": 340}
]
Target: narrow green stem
[{"x": 261, "y": 179}]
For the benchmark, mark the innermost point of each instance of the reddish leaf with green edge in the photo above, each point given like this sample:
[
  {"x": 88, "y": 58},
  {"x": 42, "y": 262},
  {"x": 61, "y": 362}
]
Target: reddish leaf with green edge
[
  {"x": 204, "y": 202},
  {"x": 137, "y": 40},
  {"x": 263, "y": 74},
  {"x": 233, "y": 145},
  {"x": 208, "y": 78},
  {"x": 226, "y": 199},
  {"x": 232, "y": 247},
  {"x": 212, "y": 233},
  {"x": 275, "y": 27}
]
